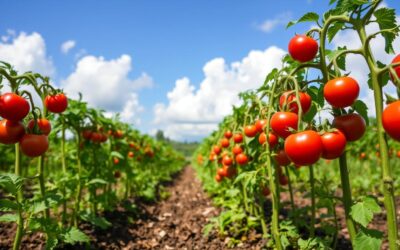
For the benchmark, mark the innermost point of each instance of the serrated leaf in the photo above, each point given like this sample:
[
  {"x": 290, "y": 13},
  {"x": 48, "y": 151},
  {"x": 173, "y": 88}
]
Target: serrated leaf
[
  {"x": 11, "y": 182},
  {"x": 334, "y": 29},
  {"x": 8, "y": 218},
  {"x": 74, "y": 235},
  {"x": 8, "y": 205},
  {"x": 308, "y": 17},
  {"x": 386, "y": 19},
  {"x": 362, "y": 212},
  {"x": 360, "y": 2},
  {"x": 368, "y": 240},
  {"x": 362, "y": 109},
  {"x": 37, "y": 207}
]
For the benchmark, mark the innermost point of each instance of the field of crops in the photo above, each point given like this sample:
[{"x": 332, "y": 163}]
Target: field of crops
[{"x": 299, "y": 164}]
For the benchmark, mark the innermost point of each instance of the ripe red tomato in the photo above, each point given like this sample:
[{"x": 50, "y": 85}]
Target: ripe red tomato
[
  {"x": 281, "y": 158},
  {"x": 87, "y": 134},
  {"x": 13, "y": 107},
  {"x": 241, "y": 159},
  {"x": 228, "y": 134},
  {"x": 282, "y": 121},
  {"x": 398, "y": 154},
  {"x": 11, "y": 132},
  {"x": 43, "y": 124},
  {"x": 303, "y": 48},
  {"x": 304, "y": 148},
  {"x": 34, "y": 145},
  {"x": 238, "y": 138},
  {"x": 227, "y": 161},
  {"x": 217, "y": 150},
  {"x": 221, "y": 172},
  {"x": 391, "y": 119},
  {"x": 250, "y": 130},
  {"x": 237, "y": 150},
  {"x": 272, "y": 139},
  {"x": 260, "y": 124},
  {"x": 225, "y": 143},
  {"x": 116, "y": 161},
  {"x": 104, "y": 137},
  {"x": 118, "y": 134},
  {"x": 289, "y": 99},
  {"x": 230, "y": 171},
  {"x": 265, "y": 191},
  {"x": 341, "y": 92},
  {"x": 57, "y": 103},
  {"x": 363, "y": 155},
  {"x": 218, "y": 178},
  {"x": 352, "y": 125},
  {"x": 397, "y": 68},
  {"x": 96, "y": 137},
  {"x": 333, "y": 144}
]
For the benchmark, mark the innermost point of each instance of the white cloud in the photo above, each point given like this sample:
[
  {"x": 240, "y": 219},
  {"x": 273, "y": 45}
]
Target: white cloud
[
  {"x": 106, "y": 84},
  {"x": 194, "y": 112},
  {"x": 270, "y": 24},
  {"x": 67, "y": 46},
  {"x": 26, "y": 52}
]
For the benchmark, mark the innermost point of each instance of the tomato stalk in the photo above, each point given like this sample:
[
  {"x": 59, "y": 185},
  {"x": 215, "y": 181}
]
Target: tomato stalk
[
  {"x": 79, "y": 188},
  {"x": 64, "y": 169},
  {"x": 19, "y": 198},
  {"x": 287, "y": 172},
  {"x": 387, "y": 175},
  {"x": 312, "y": 226}
]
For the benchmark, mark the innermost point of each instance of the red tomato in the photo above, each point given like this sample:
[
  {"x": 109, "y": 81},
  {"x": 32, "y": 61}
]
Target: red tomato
[
  {"x": 260, "y": 124},
  {"x": 290, "y": 101},
  {"x": 303, "y": 48},
  {"x": 11, "y": 132},
  {"x": 250, "y": 130},
  {"x": 265, "y": 191},
  {"x": 333, "y": 144},
  {"x": 34, "y": 145},
  {"x": 87, "y": 134},
  {"x": 104, "y": 137},
  {"x": 213, "y": 156},
  {"x": 282, "y": 121},
  {"x": 227, "y": 161},
  {"x": 221, "y": 172},
  {"x": 57, "y": 103},
  {"x": 304, "y": 148},
  {"x": 282, "y": 158},
  {"x": 283, "y": 180},
  {"x": 363, "y": 155},
  {"x": 217, "y": 150},
  {"x": 391, "y": 119},
  {"x": 237, "y": 150},
  {"x": 231, "y": 171},
  {"x": 43, "y": 125},
  {"x": 238, "y": 138},
  {"x": 116, "y": 161},
  {"x": 225, "y": 143},
  {"x": 118, "y": 134},
  {"x": 352, "y": 125},
  {"x": 228, "y": 134},
  {"x": 272, "y": 139},
  {"x": 130, "y": 154},
  {"x": 218, "y": 178},
  {"x": 13, "y": 107},
  {"x": 397, "y": 68},
  {"x": 241, "y": 159},
  {"x": 341, "y": 92},
  {"x": 96, "y": 137},
  {"x": 398, "y": 154}
]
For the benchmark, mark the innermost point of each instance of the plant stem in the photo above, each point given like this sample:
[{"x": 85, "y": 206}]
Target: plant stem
[
  {"x": 290, "y": 191},
  {"x": 79, "y": 188},
  {"x": 387, "y": 175},
  {"x": 312, "y": 229},
  {"x": 64, "y": 169},
  {"x": 20, "y": 220},
  {"x": 347, "y": 200},
  {"x": 42, "y": 185}
]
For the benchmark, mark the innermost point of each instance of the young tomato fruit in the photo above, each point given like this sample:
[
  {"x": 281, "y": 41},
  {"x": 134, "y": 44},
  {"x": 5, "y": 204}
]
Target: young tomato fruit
[
  {"x": 289, "y": 99},
  {"x": 13, "y": 107},
  {"x": 225, "y": 143},
  {"x": 228, "y": 134},
  {"x": 304, "y": 148},
  {"x": 396, "y": 69},
  {"x": 241, "y": 159},
  {"x": 282, "y": 121},
  {"x": 11, "y": 132},
  {"x": 281, "y": 158},
  {"x": 391, "y": 120},
  {"x": 250, "y": 130},
  {"x": 341, "y": 92},
  {"x": 333, "y": 144},
  {"x": 34, "y": 145},
  {"x": 352, "y": 125},
  {"x": 238, "y": 138},
  {"x": 43, "y": 125},
  {"x": 57, "y": 103},
  {"x": 303, "y": 48},
  {"x": 272, "y": 139},
  {"x": 260, "y": 124}
]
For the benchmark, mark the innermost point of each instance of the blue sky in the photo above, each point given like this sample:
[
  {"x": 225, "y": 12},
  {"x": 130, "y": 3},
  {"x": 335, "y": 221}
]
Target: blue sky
[{"x": 167, "y": 40}]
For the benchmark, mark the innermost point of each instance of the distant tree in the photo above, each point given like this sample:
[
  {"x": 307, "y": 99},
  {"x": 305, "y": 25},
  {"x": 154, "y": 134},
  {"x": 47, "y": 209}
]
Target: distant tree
[{"x": 160, "y": 136}]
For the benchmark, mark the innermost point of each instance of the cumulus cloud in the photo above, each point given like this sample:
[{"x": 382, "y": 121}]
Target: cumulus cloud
[
  {"x": 194, "y": 112},
  {"x": 270, "y": 24},
  {"x": 67, "y": 46},
  {"x": 106, "y": 84},
  {"x": 26, "y": 52}
]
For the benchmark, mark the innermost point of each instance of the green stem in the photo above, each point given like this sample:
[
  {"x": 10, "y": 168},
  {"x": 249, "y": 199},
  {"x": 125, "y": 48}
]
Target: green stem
[
  {"x": 291, "y": 193},
  {"x": 79, "y": 188},
  {"x": 245, "y": 198},
  {"x": 312, "y": 229},
  {"x": 347, "y": 200},
  {"x": 20, "y": 220},
  {"x": 42, "y": 185},
  {"x": 64, "y": 169},
  {"x": 94, "y": 189},
  {"x": 387, "y": 175}
]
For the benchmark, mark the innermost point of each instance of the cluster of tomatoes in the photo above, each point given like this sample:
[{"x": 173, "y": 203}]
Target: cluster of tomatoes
[{"x": 32, "y": 138}]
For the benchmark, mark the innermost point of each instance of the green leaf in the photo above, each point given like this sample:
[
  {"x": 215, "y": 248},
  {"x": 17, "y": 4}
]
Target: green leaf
[
  {"x": 51, "y": 243},
  {"x": 362, "y": 109},
  {"x": 11, "y": 182},
  {"x": 363, "y": 212},
  {"x": 334, "y": 29},
  {"x": 8, "y": 205},
  {"x": 38, "y": 207},
  {"x": 97, "y": 221},
  {"x": 360, "y": 2},
  {"x": 368, "y": 240},
  {"x": 97, "y": 181},
  {"x": 386, "y": 19},
  {"x": 8, "y": 218},
  {"x": 308, "y": 17},
  {"x": 116, "y": 154},
  {"x": 74, "y": 235}
]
